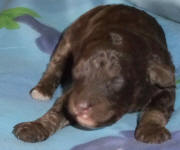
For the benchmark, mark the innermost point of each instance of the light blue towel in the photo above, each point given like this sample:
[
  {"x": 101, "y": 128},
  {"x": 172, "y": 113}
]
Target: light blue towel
[
  {"x": 167, "y": 8},
  {"x": 28, "y": 34}
]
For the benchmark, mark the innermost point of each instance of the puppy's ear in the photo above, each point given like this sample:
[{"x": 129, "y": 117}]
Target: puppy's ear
[{"x": 161, "y": 75}]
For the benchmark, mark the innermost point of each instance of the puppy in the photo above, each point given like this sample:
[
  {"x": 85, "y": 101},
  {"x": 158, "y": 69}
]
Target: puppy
[{"x": 119, "y": 63}]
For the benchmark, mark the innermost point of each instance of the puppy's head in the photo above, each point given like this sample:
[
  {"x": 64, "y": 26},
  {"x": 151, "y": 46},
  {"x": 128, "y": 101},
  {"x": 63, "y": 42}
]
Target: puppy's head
[{"x": 94, "y": 99}]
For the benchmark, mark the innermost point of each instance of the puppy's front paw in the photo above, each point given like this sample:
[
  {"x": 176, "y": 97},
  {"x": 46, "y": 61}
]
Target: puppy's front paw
[
  {"x": 30, "y": 132},
  {"x": 152, "y": 133},
  {"x": 39, "y": 94}
]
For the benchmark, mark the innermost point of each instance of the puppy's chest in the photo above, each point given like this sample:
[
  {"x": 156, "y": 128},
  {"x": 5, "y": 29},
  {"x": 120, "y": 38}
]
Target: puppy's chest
[{"x": 140, "y": 97}]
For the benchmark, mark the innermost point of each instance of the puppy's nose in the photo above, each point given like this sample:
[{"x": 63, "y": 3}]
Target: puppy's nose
[{"x": 83, "y": 107}]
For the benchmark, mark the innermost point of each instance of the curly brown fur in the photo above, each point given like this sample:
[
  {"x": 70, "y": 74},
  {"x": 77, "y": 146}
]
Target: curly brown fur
[{"x": 119, "y": 64}]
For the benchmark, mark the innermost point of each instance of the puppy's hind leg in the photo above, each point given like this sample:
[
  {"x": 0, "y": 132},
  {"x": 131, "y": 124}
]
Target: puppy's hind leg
[
  {"x": 45, "y": 126},
  {"x": 52, "y": 76}
]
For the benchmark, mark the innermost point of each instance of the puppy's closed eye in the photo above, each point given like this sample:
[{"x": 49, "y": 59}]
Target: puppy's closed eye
[{"x": 115, "y": 84}]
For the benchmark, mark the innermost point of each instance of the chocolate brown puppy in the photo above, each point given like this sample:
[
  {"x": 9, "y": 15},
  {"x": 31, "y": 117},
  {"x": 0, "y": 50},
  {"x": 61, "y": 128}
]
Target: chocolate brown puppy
[{"x": 119, "y": 63}]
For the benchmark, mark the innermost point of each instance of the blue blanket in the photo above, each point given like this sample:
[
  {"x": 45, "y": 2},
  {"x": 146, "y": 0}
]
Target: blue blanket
[
  {"x": 167, "y": 8},
  {"x": 29, "y": 31}
]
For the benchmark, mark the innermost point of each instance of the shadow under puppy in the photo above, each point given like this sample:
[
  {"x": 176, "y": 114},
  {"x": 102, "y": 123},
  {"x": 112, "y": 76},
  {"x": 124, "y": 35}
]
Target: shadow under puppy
[{"x": 119, "y": 64}]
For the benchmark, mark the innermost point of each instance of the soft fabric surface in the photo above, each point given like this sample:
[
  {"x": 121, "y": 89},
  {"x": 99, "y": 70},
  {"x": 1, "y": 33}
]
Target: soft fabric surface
[
  {"x": 166, "y": 8},
  {"x": 26, "y": 43}
]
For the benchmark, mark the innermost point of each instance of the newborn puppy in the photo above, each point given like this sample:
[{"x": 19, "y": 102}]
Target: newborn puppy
[{"x": 119, "y": 62}]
